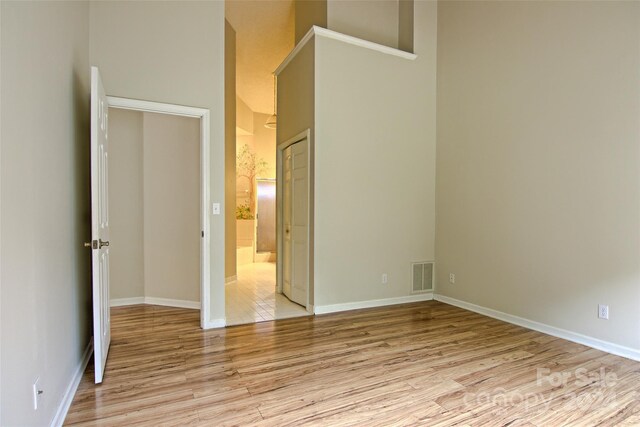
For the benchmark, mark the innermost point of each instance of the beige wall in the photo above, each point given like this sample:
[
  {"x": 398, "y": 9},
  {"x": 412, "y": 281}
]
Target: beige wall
[
  {"x": 44, "y": 204},
  {"x": 230, "y": 149},
  {"x": 154, "y": 191},
  {"x": 373, "y": 20},
  {"x": 171, "y": 180},
  {"x": 375, "y": 167},
  {"x": 374, "y": 161},
  {"x": 307, "y": 14},
  {"x": 244, "y": 118},
  {"x": 538, "y": 161},
  {"x": 405, "y": 25},
  {"x": 171, "y": 52},
  {"x": 126, "y": 207},
  {"x": 388, "y": 22},
  {"x": 264, "y": 141},
  {"x": 295, "y": 83}
]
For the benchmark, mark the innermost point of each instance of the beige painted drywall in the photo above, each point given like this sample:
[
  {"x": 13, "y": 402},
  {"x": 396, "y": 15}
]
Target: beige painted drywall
[
  {"x": 373, "y": 20},
  {"x": 296, "y": 82},
  {"x": 264, "y": 142},
  {"x": 45, "y": 293},
  {"x": 126, "y": 207},
  {"x": 230, "y": 123},
  {"x": 538, "y": 197},
  {"x": 375, "y": 166},
  {"x": 244, "y": 118},
  {"x": 307, "y": 14},
  {"x": 388, "y": 22},
  {"x": 405, "y": 25},
  {"x": 154, "y": 186},
  {"x": 171, "y": 52},
  {"x": 171, "y": 180}
]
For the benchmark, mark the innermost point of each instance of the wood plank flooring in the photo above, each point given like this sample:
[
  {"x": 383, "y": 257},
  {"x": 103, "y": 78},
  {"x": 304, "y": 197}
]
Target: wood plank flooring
[{"x": 416, "y": 364}]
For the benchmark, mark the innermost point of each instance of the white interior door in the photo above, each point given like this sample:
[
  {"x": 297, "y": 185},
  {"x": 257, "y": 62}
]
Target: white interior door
[
  {"x": 296, "y": 223},
  {"x": 100, "y": 224}
]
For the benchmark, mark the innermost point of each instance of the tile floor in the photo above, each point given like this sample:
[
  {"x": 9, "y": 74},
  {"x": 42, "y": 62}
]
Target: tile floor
[{"x": 252, "y": 298}]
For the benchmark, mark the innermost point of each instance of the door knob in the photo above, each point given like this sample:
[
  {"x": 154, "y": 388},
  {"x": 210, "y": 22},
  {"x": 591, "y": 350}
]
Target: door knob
[{"x": 87, "y": 244}]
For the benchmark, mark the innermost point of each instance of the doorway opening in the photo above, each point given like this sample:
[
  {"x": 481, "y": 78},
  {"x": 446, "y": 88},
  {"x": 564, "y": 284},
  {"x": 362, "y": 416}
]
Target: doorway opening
[
  {"x": 258, "y": 37},
  {"x": 160, "y": 160}
]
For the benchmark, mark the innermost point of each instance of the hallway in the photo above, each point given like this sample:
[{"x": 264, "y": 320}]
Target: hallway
[{"x": 252, "y": 298}]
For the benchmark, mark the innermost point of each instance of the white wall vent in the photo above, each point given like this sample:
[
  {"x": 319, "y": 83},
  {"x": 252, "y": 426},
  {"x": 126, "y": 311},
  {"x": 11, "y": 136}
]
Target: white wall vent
[{"x": 421, "y": 277}]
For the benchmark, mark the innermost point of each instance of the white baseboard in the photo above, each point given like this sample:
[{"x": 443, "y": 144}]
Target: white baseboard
[
  {"x": 334, "y": 308},
  {"x": 230, "y": 279},
  {"x": 65, "y": 404},
  {"x": 172, "y": 302},
  {"x": 215, "y": 323},
  {"x": 609, "y": 347},
  {"x": 155, "y": 301},
  {"x": 119, "y": 302}
]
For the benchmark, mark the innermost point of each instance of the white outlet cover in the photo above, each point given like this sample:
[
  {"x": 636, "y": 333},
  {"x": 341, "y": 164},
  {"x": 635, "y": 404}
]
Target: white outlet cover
[{"x": 603, "y": 311}]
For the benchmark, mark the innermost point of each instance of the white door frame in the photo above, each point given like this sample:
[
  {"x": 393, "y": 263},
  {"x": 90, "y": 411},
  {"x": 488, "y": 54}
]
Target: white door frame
[
  {"x": 205, "y": 188},
  {"x": 280, "y": 211}
]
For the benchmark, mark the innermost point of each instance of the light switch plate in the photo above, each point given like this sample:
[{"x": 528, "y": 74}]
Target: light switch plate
[{"x": 216, "y": 208}]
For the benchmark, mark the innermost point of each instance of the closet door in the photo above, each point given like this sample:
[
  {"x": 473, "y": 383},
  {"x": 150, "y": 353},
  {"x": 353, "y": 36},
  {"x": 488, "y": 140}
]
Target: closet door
[{"x": 296, "y": 222}]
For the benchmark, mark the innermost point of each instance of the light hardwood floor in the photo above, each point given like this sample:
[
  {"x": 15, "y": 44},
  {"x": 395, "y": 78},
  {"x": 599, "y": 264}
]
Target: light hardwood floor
[{"x": 417, "y": 364}]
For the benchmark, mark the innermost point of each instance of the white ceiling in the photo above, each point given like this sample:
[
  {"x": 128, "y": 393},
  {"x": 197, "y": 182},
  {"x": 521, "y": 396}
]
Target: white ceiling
[{"x": 264, "y": 37}]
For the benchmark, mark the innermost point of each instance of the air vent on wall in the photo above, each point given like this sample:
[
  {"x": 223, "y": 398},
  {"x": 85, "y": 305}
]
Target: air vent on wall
[{"x": 422, "y": 277}]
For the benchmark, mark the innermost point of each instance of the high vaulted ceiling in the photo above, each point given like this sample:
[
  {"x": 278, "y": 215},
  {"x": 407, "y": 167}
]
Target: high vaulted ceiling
[{"x": 264, "y": 37}]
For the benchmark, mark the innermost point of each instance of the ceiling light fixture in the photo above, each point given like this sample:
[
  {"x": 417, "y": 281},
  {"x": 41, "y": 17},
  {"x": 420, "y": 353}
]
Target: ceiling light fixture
[{"x": 273, "y": 119}]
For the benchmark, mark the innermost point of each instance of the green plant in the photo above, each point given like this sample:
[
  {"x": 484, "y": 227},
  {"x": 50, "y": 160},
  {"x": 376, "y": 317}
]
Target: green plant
[{"x": 243, "y": 212}]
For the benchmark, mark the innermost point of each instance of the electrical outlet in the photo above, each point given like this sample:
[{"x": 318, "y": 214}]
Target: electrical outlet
[
  {"x": 452, "y": 278},
  {"x": 385, "y": 279},
  {"x": 603, "y": 311},
  {"x": 37, "y": 394}
]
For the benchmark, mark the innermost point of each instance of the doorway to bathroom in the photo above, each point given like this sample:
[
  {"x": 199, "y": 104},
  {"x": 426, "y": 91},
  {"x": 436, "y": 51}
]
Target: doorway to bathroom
[{"x": 258, "y": 37}]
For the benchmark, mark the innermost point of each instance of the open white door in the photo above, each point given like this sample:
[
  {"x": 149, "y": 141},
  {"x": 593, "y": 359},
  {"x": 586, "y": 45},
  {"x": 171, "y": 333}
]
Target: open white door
[
  {"x": 296, "y": 223},
  {"x": 100, "y": 224}
]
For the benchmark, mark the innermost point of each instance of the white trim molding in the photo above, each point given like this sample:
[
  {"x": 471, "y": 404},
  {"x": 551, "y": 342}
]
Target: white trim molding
[
  {"x": 155, "y": 107},
  {"x": 215, "y": 323},
  {"x": 167, "y": 302},
  {"x": 330, "y": 34},
  {"x": 598, "y": 344},
  {"x": 120, "y": 302},
  {"x": 334, "y": 308},
  {"x": 65, "y": 404}
]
